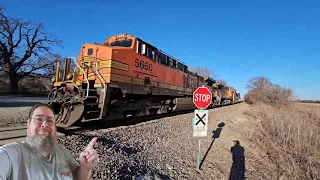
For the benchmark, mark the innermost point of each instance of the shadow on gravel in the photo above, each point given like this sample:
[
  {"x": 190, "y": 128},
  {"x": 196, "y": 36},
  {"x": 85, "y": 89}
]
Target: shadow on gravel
[
  {"x": 238, "y": 162},
  {"x": 216, "y": 134},
  {"x": 140, "y": 172},
  {"x": 110, "y": 144}
]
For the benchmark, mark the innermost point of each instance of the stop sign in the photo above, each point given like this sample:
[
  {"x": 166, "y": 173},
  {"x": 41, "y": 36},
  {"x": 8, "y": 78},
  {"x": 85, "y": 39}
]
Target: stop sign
[{"x": 202, "y": 97}]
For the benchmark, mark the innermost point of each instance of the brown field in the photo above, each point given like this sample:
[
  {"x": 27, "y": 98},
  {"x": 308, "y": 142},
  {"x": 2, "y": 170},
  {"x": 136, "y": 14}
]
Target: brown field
[
  {"x": 291, "y": 138},
  {"x": 308, "y": 101},
  {"x": 27, "y": 85},
  {"x": 288, "y": 131}
]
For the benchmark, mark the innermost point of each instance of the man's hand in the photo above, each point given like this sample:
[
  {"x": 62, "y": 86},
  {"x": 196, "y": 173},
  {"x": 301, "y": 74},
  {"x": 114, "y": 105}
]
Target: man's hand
[{"x": 89, "y": 157}]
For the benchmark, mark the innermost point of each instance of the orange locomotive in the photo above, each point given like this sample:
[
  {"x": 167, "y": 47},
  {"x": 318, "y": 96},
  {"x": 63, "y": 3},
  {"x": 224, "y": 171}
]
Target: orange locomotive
[
  {"x": 123, "y": 76},
  {"x": 227, "y": 95}
]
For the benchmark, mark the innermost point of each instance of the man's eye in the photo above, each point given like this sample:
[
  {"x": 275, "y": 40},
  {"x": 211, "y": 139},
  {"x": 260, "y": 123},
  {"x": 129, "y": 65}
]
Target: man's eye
[{"x": 38, "y": 119}]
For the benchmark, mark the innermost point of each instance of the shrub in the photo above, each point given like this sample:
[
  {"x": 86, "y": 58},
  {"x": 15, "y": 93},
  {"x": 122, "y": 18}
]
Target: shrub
[{"x": 263, "y": 91}]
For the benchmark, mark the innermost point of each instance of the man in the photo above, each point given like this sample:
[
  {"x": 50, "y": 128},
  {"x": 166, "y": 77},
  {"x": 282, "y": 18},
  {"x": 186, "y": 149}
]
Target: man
[{"x": 40, "y": 156}]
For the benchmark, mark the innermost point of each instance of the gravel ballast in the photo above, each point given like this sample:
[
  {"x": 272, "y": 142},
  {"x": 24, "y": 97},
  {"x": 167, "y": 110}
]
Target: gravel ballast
[{"x": 13, "y": 116}]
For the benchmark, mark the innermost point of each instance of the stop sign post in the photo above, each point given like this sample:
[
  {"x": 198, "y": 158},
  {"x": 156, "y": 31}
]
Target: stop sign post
[{"x": 202, "y": 98}]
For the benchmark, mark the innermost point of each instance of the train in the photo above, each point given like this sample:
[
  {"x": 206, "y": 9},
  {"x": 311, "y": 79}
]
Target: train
[{"x": 126, "y": 76}]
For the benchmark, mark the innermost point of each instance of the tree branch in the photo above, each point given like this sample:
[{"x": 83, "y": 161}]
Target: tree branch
[
  {"x": 3, "y": 70},
  {"x": 32, "y": 70},
  {"x": 21, "y": 44},
  {"x": 42, "y": 44},
  {"x": 19, "y": 39}
]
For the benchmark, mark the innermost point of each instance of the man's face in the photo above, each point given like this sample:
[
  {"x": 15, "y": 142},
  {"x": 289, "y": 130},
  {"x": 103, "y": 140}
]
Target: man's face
[{"x": 41, "y": 127}]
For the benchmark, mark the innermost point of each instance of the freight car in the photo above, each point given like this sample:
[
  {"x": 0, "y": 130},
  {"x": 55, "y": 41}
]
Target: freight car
[{"x": 125, "y": 76}]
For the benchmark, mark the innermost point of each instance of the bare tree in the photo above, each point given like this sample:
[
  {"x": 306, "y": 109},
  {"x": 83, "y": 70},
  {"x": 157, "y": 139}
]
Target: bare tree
[
  {"x": 207, "y": 72},
  {"x": 222, "y": 82},
  {"x": 263, "y": 90},
  {"x": 23, "y": 48},
  {"x": 203, "y": 71}
]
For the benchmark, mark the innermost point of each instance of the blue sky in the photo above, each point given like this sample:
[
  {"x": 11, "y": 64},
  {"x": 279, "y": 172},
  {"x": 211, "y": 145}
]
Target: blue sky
[{"x": 279, "y": 40}]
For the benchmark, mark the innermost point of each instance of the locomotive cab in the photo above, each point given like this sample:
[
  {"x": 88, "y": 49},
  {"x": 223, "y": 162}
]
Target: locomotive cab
[{"x": 80, "y": 93}]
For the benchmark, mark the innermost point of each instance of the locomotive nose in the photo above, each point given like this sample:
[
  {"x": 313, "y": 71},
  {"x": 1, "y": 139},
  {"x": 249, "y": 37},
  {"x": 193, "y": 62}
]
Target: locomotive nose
[{"x": 68, "y": 115}]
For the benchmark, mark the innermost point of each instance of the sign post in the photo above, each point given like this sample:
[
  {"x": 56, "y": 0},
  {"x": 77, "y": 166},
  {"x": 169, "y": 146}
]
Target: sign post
[{"x": 202, "y": 98}]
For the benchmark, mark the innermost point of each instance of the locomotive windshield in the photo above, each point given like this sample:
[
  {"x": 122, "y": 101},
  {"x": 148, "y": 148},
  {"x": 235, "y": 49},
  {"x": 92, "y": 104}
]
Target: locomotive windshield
[{"x": 122, "y": 43}]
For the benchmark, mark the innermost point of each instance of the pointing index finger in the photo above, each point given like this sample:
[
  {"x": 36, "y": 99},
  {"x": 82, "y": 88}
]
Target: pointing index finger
[{"x": 91, "y": 143}]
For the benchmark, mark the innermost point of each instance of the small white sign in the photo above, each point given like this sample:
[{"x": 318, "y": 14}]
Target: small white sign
[{"x": 200, "y": 126}]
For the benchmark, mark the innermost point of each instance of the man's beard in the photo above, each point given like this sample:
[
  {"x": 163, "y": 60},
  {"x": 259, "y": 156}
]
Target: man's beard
[{"x": 46, "y": 144}]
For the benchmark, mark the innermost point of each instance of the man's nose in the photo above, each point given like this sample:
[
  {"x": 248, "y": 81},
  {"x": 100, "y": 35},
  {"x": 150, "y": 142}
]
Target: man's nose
[{"x": 44, "y": 124}]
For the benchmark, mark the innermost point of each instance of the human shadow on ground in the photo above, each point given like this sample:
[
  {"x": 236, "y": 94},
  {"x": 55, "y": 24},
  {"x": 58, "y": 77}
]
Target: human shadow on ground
[
  {"x": 238, "y": 162},
  {"x": 140, "y": 172},
  {"x": 216, "y": 134}
]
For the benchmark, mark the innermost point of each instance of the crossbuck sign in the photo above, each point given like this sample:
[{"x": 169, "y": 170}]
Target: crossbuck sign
[{"x": 200, "y": 126}]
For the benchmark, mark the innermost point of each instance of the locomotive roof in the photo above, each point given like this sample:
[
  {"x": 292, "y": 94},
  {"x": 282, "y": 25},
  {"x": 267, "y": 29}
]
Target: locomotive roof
[
  {"x": 209, "y": 79},
  {"x": 163, "y": 52}
]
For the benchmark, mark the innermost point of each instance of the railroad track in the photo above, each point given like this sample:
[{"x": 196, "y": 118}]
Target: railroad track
[
  {"x": 15, "y": 134},
  {"x": 126, "y": 122},
  {"x": 12, "y": 134},
  {"x": 119, "y": 123}
]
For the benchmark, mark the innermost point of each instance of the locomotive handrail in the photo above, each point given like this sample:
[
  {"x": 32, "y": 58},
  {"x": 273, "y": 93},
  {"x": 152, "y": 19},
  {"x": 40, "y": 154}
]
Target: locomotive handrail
[
  {"x": 84, "y": 76},
  {"x": 99, "y": 75},
  {"x": 104, "y": 86}
]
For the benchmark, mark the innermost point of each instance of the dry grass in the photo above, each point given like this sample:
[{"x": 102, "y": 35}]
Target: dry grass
[
  {"x": 291, "y": 138},
  {"x": 288, "y": 132}
]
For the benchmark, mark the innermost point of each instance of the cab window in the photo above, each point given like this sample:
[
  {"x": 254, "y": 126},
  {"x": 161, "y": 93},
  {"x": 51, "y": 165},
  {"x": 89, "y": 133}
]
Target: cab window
[
  {"x": 122, "y": 43},
  {"x": 147, "y": 51},
  {"x": 90, "y": 52}
]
